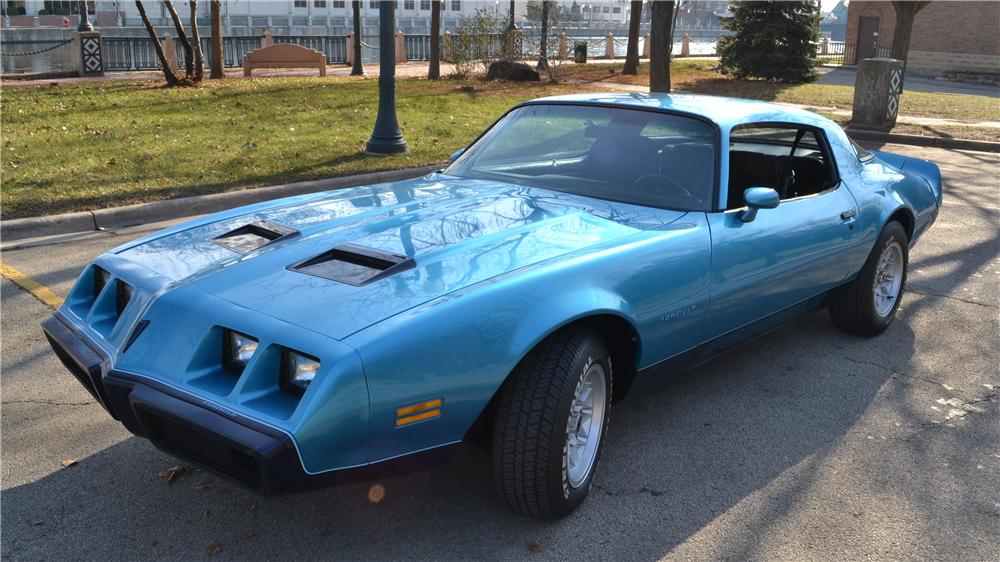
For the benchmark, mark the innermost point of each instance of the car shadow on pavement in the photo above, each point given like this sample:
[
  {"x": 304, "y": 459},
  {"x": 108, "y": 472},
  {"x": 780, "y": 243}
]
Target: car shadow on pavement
[{"x": 681, "y": 452}]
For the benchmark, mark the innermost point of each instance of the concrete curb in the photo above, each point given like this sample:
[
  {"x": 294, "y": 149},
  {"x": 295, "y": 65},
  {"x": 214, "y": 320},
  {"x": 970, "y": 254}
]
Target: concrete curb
[
  {"x": 918, "y": 140},
  {"x": 131, "y": 215}
]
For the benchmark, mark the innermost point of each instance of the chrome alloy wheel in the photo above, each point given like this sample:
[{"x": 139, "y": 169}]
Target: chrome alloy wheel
[
  {"x": 888, "y": 279},
  {"x": 585, "y": 425}
]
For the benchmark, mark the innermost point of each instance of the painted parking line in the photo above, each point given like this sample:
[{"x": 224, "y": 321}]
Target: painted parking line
[{"x": 37, "y": 290}]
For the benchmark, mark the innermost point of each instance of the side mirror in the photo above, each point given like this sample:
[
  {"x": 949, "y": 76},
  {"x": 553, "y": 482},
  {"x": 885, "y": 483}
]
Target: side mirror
[
  {"x": 758, "y": 198},
  {"x": 454, "y": 155}
]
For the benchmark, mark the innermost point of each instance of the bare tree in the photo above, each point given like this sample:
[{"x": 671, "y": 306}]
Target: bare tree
[
  {"x": 182, "y": 37},
  {"x": 543, "y": 57},
  {"x": 659, "y": 47},
  {"x": 632, "y": 53},
  {"x": 216, "y": 73},
  {"x": 199, "y": 59},
  {"x": 906, "y": 13},
  {"x": 168, "y": 73},
  {"x": 434, "y": 70}
]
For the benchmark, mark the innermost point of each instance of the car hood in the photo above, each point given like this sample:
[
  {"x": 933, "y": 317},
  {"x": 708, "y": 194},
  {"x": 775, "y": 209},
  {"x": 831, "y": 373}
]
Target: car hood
[{"x": 456, "y": 231}]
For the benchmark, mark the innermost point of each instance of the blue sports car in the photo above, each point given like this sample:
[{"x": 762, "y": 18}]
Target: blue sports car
[{"x": 513, "y": 296}]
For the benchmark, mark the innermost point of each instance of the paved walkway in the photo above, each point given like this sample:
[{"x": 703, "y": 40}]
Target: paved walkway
[{"x": 845, "y": 76}]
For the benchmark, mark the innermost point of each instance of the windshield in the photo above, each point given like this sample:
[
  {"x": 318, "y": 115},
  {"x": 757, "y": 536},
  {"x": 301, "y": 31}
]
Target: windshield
[{"x": 626, "y": 155}]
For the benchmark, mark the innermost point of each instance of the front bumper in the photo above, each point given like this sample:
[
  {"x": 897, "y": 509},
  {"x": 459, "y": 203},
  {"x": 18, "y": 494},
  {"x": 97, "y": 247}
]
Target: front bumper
[{"x": 247, "y": 452}]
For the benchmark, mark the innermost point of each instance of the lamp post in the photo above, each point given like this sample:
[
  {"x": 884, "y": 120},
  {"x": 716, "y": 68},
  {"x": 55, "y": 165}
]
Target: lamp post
[
  {"x": 357, "y": 68},
  {"x": 511, "y": 26},
  {"x": 386, "y": 137},
  {"x": 85, "y": 24}
]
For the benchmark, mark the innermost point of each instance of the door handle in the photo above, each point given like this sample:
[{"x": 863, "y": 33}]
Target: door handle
[{"x": 847, "y": 215}]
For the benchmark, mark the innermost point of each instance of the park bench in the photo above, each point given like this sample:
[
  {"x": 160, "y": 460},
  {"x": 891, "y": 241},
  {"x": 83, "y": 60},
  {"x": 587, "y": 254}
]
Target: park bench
[{"x": 284, "y": 55}]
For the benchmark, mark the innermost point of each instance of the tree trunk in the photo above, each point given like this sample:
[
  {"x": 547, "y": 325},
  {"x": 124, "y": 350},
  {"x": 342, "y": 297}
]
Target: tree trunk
[
  {"x": 543, "y": 57},
  {"x": 659, "y": 46},
  {"x": 906, "y": 13},
  {"x": 199, "y": 59},
  {"x": 434, "y": 70},
  {"x": 179, "y": 26},
  {"x": 632, "y": 54},
  {"x": 168, "y": 74},
  {"x": 217, "y": 57},
  {"x": 357, "y": 65}
]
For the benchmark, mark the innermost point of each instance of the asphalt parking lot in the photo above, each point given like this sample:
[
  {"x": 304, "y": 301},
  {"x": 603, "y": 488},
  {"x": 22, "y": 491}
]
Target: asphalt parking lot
[{"x": 807, "y": 444}]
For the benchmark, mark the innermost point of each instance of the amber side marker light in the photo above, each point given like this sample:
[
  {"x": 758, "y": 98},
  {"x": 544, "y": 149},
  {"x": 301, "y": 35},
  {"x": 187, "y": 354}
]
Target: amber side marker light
[{"x": 418, "y": 412}]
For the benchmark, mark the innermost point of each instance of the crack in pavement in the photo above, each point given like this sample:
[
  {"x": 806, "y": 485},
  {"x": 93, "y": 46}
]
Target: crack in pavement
[
  {"x": 946, "y": 296},
  {"x": 47, "y": 402},
  {"x": 643, "y": 490}
]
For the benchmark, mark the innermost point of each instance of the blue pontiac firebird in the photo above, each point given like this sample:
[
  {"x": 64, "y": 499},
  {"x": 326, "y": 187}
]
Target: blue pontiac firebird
[{"x": 514, "y": 295}]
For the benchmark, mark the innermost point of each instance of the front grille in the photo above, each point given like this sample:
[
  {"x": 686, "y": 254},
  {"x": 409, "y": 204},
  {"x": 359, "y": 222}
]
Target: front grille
[{"x": 196, "y": 445}]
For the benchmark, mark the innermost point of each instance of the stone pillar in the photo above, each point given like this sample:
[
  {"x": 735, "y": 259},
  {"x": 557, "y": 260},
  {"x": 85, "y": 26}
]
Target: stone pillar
[
  {"x": 91, "y": 61},
  {"x": 447, "y": 49},
  {"x": 400, "y": 48},
  {"x": 169, "y": 51},
  {"x": 563, "y": 47},
  {"x": 877, "y": 88},
  {"x": 609, "y": 47},
  {"x": 267, "y": 40},
  {"x": 718, "y": 44},
  {"x": 824, "y": 48},
  {"x": 350, "y": 48},
  {"x": 645, "y": 47},
  {"x": 686, "y": 46}
]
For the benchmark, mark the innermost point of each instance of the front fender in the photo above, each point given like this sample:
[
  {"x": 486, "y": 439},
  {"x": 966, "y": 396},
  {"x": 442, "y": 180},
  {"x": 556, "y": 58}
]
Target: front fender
[{"x": 461, "y": 349}]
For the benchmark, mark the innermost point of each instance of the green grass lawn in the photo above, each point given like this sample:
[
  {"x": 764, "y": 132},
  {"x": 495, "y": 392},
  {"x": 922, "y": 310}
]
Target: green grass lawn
[{"x": 90, "y": 146}]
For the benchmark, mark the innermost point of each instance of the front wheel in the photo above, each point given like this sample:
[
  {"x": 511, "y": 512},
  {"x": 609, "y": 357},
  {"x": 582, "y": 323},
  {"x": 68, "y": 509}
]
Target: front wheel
[
  {"x": 867, "y": 305},
  {"x": 550, "y": 424}
]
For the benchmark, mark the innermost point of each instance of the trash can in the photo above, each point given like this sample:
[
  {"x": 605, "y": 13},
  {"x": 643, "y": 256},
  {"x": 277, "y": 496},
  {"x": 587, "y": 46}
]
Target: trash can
[{"x": 580, "y": 52}]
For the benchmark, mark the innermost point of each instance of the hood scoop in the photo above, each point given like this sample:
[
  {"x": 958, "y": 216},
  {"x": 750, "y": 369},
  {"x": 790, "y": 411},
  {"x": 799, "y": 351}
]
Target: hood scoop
[
  {"x": 250, "y": 237},
  {"x": 354, "y": 265}
]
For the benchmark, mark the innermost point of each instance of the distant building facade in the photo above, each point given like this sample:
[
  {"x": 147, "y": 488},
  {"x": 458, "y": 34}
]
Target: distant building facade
[{"x": 948, "y": 36}]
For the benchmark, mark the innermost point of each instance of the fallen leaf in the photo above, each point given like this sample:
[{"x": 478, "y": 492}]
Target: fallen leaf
[
  {"x": 214, "y": 549},
  {"x": 534, "y": 547},
  {"x": 204, "y": 484},
  {"x": 69, "y": 462},
  {"x": 173, "y": 473}
]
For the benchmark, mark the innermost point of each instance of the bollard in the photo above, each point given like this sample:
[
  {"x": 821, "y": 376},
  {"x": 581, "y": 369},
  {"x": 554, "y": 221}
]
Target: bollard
[
  {"x": 267, "y": 40},
  {"x": 718, "y": 44},
  {"x": 824, "y": 48},
  {"x": 686, "y": 45},
  {"x": 350, "y": 48},
  {"x": 563, "y": 47},
  {"x": 448, "y": 52},
  {"x": 877, "y": 88},
  {"x": 169, "y": 51},
  {"x": 400, "y": 48},
  {"x": 609, "y": 47},
  {"x": 645, "y": 47}
]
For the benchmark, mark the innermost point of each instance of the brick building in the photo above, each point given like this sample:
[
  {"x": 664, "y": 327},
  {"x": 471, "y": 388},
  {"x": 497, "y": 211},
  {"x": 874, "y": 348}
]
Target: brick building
[{"x": 948, "y": 36}]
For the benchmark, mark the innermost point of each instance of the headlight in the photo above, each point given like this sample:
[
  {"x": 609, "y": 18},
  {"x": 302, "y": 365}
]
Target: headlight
[
  {"x": 237, "y": 349},
  {"x": 124, "y": 295},
  {"x": 100, "y": 280},
  {"x": 297, "y": 371}
]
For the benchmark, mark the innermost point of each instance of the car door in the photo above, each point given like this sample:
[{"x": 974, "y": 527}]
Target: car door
[{"x": 766, "y": 271}]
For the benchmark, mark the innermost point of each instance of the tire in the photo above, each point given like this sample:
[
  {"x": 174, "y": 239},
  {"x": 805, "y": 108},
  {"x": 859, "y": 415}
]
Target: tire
[
  {"x": 856, "y": 308},
  {"x": 531, "y": 428}
]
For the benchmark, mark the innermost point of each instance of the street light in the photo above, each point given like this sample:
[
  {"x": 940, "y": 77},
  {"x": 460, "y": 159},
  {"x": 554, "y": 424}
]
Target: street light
[
  {"x": 386, "y": 137},
  {"x": 85, "y": 24}
]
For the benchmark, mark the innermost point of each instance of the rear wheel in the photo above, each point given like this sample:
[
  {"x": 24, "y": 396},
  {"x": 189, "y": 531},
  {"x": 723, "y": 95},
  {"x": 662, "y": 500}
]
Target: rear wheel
[
  {"x": 550, "y": 424},
  {"x": 867, "y": 305}
]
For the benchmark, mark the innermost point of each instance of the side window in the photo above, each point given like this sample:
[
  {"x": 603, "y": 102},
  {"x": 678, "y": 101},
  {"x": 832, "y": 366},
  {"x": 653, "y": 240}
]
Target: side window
[
  {"x": 863, "y": 155},
  {"x": 791, "y": 160}
]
